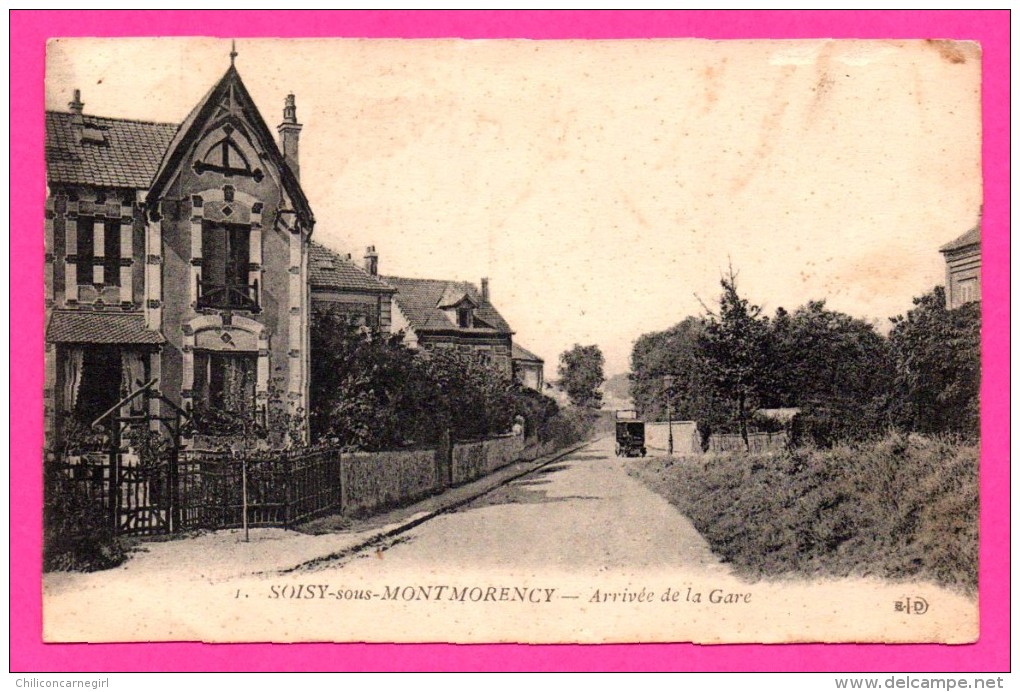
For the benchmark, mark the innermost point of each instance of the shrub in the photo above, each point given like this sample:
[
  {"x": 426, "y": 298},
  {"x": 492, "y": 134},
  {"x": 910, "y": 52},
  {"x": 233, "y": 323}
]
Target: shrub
[
  {"x": 77, "y": 534},
  {"x": 897, "y": 507},
  {"x": 570, "y": 426}
]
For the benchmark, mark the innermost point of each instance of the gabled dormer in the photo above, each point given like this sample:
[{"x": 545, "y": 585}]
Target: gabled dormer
[{"x": 459, "y": 307}]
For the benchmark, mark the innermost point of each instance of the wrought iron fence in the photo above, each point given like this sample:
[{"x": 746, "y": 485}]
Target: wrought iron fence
[{"x": 206, "y": 490}]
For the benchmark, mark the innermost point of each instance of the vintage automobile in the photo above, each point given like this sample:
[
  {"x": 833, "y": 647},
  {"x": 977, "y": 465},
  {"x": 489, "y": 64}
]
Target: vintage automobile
[{"x": 630, "y": 435}]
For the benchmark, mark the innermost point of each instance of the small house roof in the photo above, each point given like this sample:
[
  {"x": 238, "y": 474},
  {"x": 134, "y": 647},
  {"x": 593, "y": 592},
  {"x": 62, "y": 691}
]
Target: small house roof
[
  {"x": 518, "y": 352},
  {"x": 419, "y": 300},
  {"x": 782, "y": 415},
  {"x": 330, "y": 271},
  {"x": 453, "y": 296},
  {"x": 971, "y": 237},
  {"x": 106, "y": 152}
]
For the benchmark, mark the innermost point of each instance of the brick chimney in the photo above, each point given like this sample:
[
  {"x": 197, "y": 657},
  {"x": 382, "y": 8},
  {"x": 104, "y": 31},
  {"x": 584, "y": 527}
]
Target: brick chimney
[
  {"x": 485, "y": 289},
  {"x": 371, "y": 261},
  {"x": 290, "y": 132},
  {"x": 76, "y": 107}
]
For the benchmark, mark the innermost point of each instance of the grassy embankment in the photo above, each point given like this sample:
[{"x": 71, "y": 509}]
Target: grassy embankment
[{"x": 898, "y": 508}]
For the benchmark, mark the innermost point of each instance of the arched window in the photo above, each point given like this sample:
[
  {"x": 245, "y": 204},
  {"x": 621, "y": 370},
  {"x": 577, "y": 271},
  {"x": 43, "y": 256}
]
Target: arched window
[
  {"x": 225, "y": 154},
  {"x": 227, "y": 158}
]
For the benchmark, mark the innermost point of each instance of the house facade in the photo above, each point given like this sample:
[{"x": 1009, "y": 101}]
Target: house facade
[
  {"x": 528, "y": 368},
  {"x": 438, "y": 314},
  {"x": 177, "y": 253},
  {"x": 963, "y": 268},
  {"x": 340, "y": 286}
]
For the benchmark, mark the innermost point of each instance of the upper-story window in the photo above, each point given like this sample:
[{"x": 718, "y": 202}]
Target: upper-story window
[
  {"x": 225, "y": 266},
  {"x": 464, "y": 317},
  {"x": 98, "y": 251},
  {"x": 967, "y": 290}
]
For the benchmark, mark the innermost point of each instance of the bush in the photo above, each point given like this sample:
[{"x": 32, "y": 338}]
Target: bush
[
  {"x": 899, "y": 507},
  {"x": 570, "y": 426},
  {"x": 938, "y": 367},
  {"x": 77, "y": 534},
  {"x": 369, "y": 391}
]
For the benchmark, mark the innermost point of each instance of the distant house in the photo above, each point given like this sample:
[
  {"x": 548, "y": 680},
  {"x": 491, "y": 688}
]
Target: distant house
[
  {"x": 454, "y": 315},
  {"x": 555, "y": 391},
  {"x": 963, "y": 268},
  {"x": 527, "y": 367},
  {"x": 340, "y": 286},
  {"x": 176, "y": 252}
]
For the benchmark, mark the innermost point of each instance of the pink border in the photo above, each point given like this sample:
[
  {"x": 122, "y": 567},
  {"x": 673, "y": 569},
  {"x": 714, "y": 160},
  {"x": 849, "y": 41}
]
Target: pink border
[{"x": 29, "y": 31}]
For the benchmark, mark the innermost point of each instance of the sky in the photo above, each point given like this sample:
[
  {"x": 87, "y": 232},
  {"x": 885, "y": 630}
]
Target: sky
[{"x": 603, "y": 186}]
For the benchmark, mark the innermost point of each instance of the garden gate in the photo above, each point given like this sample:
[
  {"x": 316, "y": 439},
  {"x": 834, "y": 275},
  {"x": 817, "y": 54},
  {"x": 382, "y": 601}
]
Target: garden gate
[{"x": 141, "y": 463}]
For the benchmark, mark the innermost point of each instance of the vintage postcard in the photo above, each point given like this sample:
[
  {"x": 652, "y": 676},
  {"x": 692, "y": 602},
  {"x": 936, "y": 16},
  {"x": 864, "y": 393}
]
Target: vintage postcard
[{"x": 578, "y": 341}]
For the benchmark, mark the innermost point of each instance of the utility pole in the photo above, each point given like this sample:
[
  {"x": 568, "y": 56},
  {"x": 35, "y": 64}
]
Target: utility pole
[{"x": 668, "y": 382}]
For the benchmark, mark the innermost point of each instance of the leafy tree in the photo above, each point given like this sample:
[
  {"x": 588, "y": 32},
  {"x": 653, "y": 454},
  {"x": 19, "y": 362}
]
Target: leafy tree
[
  {"x": 473, "y": 400},
  {"x": 581, "y": 375},
  {"x": 368, "y": 391},
  {"x": 937, "y": 355},
  {"x": 676, "y": 352},
  {"x": 836, "y": 368},
  {"x": 734, "y": 344}
]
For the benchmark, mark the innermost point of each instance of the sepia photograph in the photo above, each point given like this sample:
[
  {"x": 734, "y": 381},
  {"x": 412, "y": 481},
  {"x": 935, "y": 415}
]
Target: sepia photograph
[{"x": 452, "y": 341}]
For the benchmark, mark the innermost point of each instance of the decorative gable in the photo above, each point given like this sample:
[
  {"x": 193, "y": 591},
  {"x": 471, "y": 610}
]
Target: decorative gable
[{"x": 225, "y": 137}]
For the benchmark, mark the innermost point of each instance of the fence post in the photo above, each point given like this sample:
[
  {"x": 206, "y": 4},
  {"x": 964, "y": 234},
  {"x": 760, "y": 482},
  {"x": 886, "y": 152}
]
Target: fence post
[
  {"x": 289, "y": 495},
  {"x": 447, "y": 447},
  {"x": 244, "y": 496},
  {"x": 114, "y": 482},
  {"x": 339, "y": 474},
  {"x": 173, "y": 523},
  {"x": 344, "y": 500},
  {"x": 175, "y": 513}
]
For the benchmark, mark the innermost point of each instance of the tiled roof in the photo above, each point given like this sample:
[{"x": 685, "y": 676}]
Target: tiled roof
[
  {"x": 110, "y": 152},
  {"x": 328, "y": 270},
  {"x": 113, "y": 153},
  {"x": 100, "y": 328},
  {"x": 518, "y": 352},
  {"x": 971, "y": 237},
  {"x": 418, "y": 300}
]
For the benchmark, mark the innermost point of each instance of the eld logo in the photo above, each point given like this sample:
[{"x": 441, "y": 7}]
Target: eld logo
[{"x": 912, "y": 605}]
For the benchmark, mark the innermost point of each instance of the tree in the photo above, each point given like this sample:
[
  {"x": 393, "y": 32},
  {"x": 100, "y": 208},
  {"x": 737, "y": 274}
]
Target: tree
[
  {"x": 676, "y": 352},
  {"x": 581, "y": 375},
  {"x": 937, "y": 357},
  {"x": 837, "y": 369},
  {"x": 472, "y": 400},
  {"x": 368, "y": 391},
  {"x": 735, "y": 345}
]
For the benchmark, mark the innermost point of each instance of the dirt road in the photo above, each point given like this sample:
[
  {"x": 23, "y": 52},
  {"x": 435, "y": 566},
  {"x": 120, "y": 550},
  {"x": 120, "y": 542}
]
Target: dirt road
[{"x": 577, "y": 551}]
